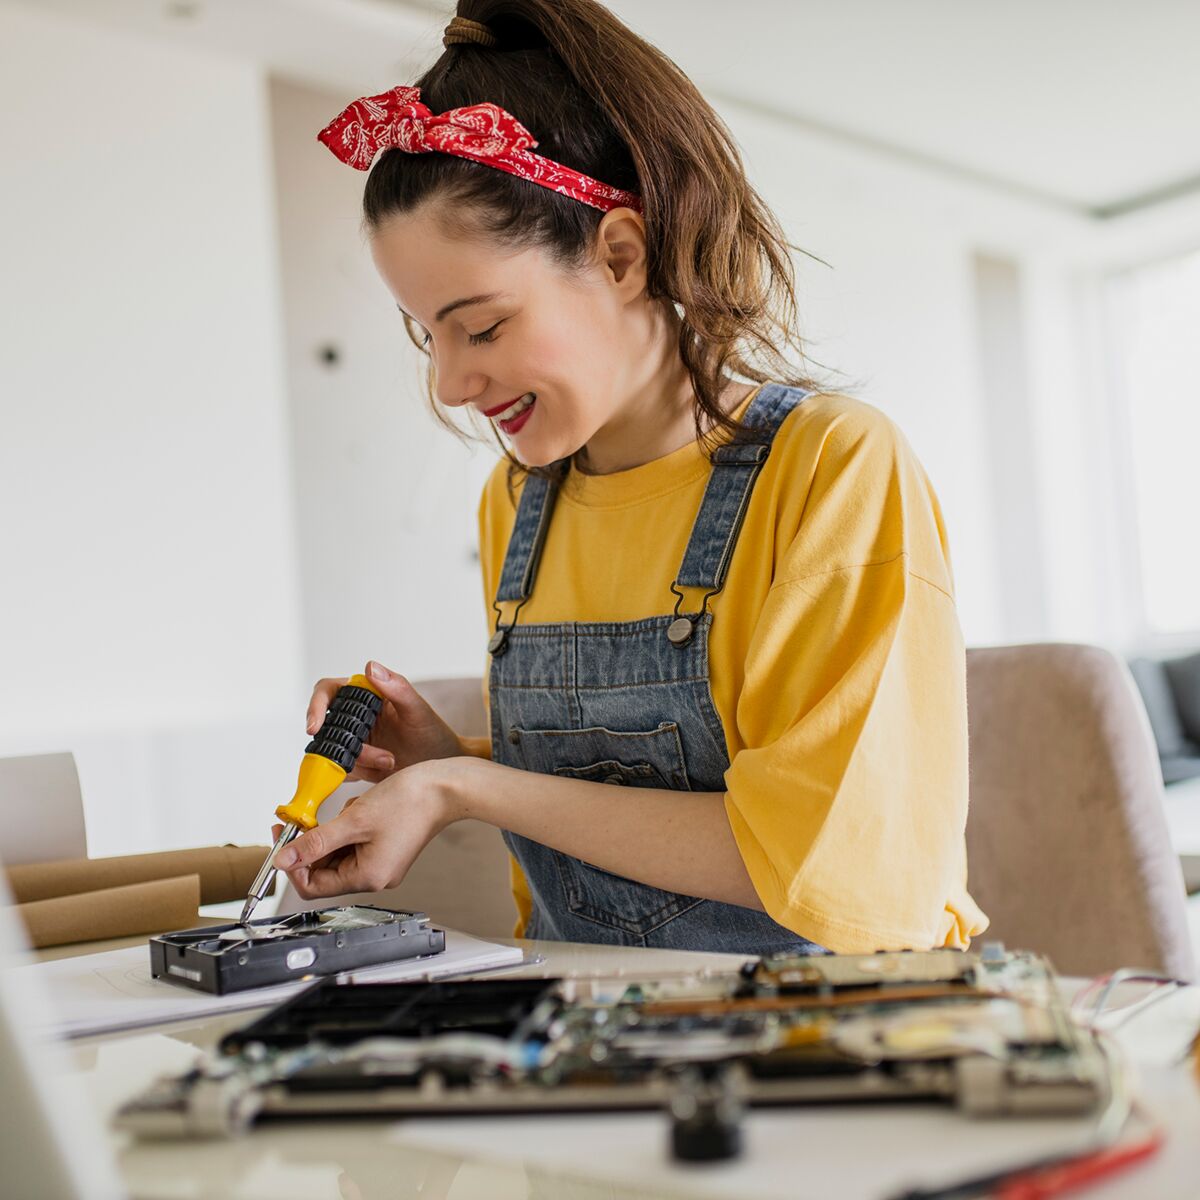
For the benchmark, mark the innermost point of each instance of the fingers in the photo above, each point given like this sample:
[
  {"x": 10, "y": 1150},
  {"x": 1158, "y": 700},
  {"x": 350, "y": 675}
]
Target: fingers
[
  {"x": 309, "y": 848},
  {"x": 393, "y": 687},
  {"x": 342, "y": 873},
  {"x": 356, "y": 868},
  {"x": 322, "y": 698},
  {"x": 372, "y": 758},
  {"x": 373, "y": 763}
]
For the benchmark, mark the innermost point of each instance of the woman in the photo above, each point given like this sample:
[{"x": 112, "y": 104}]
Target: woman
[{"x": 711, "y": 584}]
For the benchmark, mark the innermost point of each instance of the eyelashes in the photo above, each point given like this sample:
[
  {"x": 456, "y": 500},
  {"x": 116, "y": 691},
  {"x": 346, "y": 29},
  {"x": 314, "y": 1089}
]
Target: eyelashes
[{"x": 476, "y": 339}]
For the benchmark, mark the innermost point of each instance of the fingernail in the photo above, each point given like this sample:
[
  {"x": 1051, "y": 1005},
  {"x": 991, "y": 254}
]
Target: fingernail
[
  {"x": 286, "y": 858},
  {"x": 377, "y": 672},
  {"x": 388, "y": 762}
]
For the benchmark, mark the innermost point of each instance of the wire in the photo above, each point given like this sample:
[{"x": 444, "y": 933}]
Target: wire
[
  {"x": 1128, "y": 1011},
  {"x": 1105, "y": 984}
]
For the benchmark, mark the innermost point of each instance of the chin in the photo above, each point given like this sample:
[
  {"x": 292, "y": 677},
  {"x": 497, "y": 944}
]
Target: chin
[
  {"x": 532, "y": 460},
  {"x": 538, "y": 456}
]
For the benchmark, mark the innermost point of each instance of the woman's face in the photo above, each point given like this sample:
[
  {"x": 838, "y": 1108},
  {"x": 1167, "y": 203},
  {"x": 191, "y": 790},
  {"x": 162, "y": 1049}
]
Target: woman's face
[{"x": 504, "y": 325}]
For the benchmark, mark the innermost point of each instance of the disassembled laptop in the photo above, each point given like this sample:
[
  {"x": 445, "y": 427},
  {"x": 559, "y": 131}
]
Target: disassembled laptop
[{"x": 986, "y": 1031}]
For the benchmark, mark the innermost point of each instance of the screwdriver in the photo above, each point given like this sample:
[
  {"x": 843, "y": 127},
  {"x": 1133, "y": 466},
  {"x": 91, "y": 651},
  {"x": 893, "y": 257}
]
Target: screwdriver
[{"x": 327, "y": 760}]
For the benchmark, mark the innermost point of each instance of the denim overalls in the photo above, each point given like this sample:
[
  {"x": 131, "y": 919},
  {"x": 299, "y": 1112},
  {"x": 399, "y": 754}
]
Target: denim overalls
[{"x": 628, "y": 703}]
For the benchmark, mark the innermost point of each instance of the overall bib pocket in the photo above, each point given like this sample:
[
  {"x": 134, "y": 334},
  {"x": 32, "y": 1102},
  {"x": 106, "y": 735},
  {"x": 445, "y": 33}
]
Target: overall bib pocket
[{"x": 648, "y": 759}]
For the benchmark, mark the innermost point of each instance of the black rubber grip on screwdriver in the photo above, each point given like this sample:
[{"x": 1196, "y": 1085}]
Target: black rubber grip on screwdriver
[{"x": 347, "y": 726}]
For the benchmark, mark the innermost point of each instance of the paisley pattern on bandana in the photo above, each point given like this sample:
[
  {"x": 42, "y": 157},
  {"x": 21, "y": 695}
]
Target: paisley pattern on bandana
[{"x": 485, "y": 133}]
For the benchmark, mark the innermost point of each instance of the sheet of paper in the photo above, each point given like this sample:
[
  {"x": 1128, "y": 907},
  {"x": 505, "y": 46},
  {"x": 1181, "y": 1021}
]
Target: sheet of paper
[{"x": 103, "y": 993}]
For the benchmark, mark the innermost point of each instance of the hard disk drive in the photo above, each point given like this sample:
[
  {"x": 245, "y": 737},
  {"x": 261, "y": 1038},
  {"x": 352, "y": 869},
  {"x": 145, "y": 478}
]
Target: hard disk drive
[{"x": 233, "y": 958}]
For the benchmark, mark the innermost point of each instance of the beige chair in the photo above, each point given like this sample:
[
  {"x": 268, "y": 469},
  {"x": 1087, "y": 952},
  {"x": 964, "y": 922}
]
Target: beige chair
[
  {"x": 41, "y": 809},
  {"x": 1067, "y": 842}
]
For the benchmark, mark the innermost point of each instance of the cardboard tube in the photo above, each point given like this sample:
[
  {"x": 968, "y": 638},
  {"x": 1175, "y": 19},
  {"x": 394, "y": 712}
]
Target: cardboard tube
[
  {"x": 113, "y": 912},
  {"x": 226, "y": 873}
]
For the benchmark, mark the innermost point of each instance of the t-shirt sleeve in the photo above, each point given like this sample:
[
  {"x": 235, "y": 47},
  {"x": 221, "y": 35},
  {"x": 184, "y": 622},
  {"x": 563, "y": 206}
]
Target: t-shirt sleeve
[{"x": 848, "y": 800}]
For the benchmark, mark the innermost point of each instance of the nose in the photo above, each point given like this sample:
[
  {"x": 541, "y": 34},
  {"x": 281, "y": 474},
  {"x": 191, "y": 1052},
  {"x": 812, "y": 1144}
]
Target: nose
[{"x": 454, "y": 383}]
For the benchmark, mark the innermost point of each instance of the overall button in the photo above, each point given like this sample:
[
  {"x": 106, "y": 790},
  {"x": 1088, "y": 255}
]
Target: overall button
[
  {"x": 514, "y": 736},
  {"x": 680, "y": 632}
]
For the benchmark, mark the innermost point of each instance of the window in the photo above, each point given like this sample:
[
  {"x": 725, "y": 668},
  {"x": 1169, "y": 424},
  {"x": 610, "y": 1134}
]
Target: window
[{"x": 1155, "y": 329}]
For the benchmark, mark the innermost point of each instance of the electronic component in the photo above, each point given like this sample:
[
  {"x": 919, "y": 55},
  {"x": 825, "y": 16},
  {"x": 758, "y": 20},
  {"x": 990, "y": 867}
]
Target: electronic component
[
  {"x": 232, "y": 958},
  {"x": 987, "y": 1033},
  {"x": 706, "y": 1113}
]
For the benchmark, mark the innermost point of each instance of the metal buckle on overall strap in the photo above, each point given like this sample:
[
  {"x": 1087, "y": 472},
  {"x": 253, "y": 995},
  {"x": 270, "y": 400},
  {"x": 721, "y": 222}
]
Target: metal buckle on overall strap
[{"x": 748, "y": 456}]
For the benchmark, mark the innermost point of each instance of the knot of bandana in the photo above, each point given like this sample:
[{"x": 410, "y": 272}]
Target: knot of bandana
[{"x": 485, "y": 133}]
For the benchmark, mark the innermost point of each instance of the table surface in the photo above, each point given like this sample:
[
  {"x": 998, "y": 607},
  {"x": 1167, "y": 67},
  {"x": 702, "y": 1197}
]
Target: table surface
[{"x": 867, "y": 1152}]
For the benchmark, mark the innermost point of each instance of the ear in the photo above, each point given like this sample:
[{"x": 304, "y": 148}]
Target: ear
[{"x": 621, "y": 244}]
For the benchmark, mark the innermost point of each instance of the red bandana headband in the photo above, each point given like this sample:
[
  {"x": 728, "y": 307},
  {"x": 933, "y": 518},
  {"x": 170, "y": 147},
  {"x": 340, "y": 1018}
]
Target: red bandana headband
[{"x": 482, "y": 132}]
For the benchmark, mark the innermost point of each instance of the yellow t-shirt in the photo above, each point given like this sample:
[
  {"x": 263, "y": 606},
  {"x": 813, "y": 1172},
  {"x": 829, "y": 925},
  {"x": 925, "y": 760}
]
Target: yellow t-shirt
[{"x": 836, "y": 662}]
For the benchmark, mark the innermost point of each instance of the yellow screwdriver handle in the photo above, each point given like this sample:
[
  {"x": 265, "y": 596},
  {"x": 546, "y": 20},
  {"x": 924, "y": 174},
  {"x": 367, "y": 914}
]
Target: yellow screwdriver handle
[{"x": 335, "y": 748}]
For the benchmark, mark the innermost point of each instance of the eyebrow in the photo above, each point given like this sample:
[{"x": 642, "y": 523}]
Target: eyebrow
[{"x": 447, "y": 309}]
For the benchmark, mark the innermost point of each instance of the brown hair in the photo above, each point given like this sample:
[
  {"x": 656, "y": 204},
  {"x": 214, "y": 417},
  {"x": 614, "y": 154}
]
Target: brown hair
[{"x": 603, "y": 101}]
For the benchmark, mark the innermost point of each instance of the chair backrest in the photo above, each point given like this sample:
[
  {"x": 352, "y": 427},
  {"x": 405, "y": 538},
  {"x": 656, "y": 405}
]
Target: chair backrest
[
  {"x": 41, "y": 809},
  {"x": 1067, "y": 844},
  {"x": 462, "y": 878}
]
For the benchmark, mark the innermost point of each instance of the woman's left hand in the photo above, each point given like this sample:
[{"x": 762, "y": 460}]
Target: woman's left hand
[{"x": 371, "y": 844}]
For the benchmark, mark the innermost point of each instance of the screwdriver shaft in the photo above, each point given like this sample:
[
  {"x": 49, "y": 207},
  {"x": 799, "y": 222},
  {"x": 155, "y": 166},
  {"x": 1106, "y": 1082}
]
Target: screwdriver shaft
[{"x": 266, "y": 874}]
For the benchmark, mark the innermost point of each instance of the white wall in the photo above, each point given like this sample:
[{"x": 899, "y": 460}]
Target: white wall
[
  {"x": 385, "y": 498},
  {"x": 148, "y": 613}
]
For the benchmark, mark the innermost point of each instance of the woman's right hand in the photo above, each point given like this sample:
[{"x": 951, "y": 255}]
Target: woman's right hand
[{"x": 407, "y": 730}]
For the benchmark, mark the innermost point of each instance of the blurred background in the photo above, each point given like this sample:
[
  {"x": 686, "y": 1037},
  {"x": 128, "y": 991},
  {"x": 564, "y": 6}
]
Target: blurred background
[{"x": 219, "y": 480}]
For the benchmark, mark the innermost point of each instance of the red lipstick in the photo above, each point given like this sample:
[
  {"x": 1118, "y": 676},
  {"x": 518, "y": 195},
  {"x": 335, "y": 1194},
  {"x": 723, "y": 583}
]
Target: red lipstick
[
  {"x": 518, "y": 422},
  {"x": 491, "y": 412}
]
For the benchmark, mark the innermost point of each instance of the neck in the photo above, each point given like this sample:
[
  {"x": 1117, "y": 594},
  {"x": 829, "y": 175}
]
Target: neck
[{"x": 659, "y": 416}]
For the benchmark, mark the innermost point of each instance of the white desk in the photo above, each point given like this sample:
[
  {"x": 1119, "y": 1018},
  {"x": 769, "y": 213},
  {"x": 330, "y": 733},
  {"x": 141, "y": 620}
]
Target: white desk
[{"x": 815, "y": 1153}]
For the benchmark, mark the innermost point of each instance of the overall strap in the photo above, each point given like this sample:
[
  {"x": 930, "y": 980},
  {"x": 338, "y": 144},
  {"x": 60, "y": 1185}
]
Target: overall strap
[
  {"x": 527, "y": 539},
  {"x": 525, "y": 546},
  {"x": 735, "y": 469}
]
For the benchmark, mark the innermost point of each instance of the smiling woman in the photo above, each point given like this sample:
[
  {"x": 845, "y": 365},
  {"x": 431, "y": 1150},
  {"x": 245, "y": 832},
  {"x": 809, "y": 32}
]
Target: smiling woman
[
  {"x": 727, "y": 682},
  {"x": 575, "y": 346}
]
